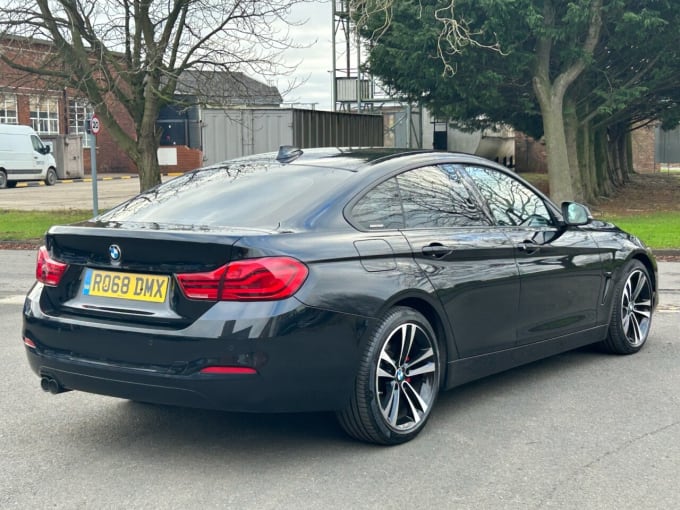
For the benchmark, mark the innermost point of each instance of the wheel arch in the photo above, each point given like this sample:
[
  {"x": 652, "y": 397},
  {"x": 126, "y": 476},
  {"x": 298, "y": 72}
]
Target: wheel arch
[
  {"x": 649, "y": 265},
  {"x": 438, "y": 322}
]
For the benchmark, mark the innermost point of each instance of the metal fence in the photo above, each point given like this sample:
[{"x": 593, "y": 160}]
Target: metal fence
[{"x": 667, "y": 146}]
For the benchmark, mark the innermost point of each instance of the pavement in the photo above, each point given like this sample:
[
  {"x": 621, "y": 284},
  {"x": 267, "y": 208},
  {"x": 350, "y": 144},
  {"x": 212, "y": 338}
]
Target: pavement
[
  {"x": 71, "y": 194},
  {"x": 669, "y": 287},
  {"x": 100, "y": 177}
]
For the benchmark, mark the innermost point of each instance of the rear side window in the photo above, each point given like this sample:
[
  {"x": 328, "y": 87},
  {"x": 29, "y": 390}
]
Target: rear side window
[
  {"x": 380, "y": 208},
  {"x": 427, "y": 197}
]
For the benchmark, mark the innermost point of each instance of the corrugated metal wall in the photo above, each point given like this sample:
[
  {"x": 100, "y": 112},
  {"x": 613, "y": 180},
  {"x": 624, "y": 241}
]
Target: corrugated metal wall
[
  {"x": 314, "y": 128},
  {"x": 234, "y": 133},
  {"x": 667, "y": 147}
]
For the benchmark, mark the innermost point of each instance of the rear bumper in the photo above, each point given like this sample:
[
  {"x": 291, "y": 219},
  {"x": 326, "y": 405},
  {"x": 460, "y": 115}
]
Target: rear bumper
[
  {"x": 305, "y": 358},
  {"x": 243, "y": 393}
]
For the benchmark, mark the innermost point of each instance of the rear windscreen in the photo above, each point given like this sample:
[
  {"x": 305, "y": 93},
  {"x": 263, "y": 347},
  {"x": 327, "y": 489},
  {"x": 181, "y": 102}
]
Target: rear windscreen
[{"x": 244, "y": 195}]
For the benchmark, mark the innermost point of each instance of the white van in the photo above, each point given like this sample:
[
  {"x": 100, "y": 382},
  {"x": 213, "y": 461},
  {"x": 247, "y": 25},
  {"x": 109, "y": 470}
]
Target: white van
[{"x": 24, "y": 157}]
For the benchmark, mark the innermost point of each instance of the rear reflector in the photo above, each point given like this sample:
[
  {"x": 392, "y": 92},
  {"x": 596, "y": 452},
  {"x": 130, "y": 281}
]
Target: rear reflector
[
  {"x": 228, "y": 370},
  {"x": 48, "y": 270},
  {"x": 29, "y": 343},
  {"x": 263, "y": 279}
]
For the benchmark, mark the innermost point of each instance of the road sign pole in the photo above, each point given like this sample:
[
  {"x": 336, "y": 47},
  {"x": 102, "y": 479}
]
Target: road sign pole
[
  {"x": 93, "y": 165},
  {"x": 95, "y": 126}
]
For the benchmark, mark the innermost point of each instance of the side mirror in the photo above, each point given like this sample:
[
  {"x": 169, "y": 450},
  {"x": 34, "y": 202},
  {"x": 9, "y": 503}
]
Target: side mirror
[
  {"x": 575, "y": 214},
  {"x": 45, "y": 149}
]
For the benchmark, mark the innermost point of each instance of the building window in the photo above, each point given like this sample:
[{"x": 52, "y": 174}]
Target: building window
[
  {"x": 8, "y": 109},
  {"x": 45, "y": 115},
  {"x": 78, "y": 111}
]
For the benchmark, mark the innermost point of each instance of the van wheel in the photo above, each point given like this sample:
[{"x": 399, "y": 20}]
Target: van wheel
[
  {"x": 3, "y": 179},
  {"x": 51, "y": 177}
]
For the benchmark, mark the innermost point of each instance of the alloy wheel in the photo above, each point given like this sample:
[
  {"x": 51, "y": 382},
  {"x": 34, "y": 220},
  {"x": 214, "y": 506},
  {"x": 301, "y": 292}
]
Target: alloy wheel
[
  {"x": 636, "y": 308},
  {"x": 406, "y": 377}
]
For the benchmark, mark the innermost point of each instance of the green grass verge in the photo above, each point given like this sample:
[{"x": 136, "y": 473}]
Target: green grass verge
[
  {"x": 659, "y": 230},
  {"x": 32, "y": 225}
]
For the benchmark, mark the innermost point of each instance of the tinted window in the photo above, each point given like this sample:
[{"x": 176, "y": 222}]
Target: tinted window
[
  {"x": 257, "y": 195},
  {"x": 380, "y": 208},
  {"x": 510, "y": 201},
  {"x": 436, "y": 197}
]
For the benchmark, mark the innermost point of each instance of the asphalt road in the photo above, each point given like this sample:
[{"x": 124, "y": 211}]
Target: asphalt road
[{"x": 580, "y": 430}]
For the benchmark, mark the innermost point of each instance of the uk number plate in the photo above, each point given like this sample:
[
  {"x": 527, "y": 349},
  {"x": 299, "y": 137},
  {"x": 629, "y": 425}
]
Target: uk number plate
[{"x": 140, "y": 287}]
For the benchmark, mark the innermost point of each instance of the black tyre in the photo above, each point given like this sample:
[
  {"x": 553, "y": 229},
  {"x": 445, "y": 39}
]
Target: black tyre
[
  {"x": 3, "y": 179},
  {"x": 632, "y": 315},
  {"x": 397, "y": 382},
  {"x": 51, "y": 177}
]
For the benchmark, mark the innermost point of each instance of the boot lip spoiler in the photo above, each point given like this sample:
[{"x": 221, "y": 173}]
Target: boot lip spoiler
[{"x": 151, "y": 229}]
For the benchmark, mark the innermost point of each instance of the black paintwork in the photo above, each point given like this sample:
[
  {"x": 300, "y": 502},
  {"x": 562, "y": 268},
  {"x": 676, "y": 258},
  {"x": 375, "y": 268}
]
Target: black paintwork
[{"x": 497, "y": 296}]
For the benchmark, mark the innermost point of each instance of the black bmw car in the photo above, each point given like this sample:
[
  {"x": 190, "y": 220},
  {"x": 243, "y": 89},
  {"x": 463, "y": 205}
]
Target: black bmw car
[{"x": 360, "y": 281}]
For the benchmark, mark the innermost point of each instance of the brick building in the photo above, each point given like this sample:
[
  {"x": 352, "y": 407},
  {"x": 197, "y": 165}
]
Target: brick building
[
  {"x": 643, "y": 144},
  {"x": 530, "y": 155},
  {"x": 35, "y": 101}
]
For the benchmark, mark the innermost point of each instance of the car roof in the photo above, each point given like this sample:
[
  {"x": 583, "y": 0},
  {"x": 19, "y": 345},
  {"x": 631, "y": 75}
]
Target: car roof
[{"x": 354, "y": 159}]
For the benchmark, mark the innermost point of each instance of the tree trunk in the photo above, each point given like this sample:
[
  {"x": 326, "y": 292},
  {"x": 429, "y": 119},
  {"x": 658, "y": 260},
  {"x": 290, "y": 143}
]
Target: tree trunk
[
  {"x": 584, "y": 146},
  {"x": 617, "y": 161},
  {"x": 576, "y": 154},
  {"x": 559, "y": 174},
  {"x": 148, "y": 138},
  {"x": 605, "y": 185},
  {"x": 551, "y": 93},
  {"x": 147, "y": 163}
]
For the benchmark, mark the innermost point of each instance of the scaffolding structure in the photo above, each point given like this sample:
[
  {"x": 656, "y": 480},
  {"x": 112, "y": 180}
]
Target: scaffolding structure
[{"x": 356, "y": 91}]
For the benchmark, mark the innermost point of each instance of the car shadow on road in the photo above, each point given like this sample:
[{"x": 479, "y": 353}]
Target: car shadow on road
[{"x": 148, "y": 429}]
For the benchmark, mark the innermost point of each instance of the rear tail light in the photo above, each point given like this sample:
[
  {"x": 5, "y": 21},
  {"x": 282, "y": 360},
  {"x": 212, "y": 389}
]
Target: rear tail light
[
  {"x": 48, "y": 270},
  {"x": 264, "y": 279}
]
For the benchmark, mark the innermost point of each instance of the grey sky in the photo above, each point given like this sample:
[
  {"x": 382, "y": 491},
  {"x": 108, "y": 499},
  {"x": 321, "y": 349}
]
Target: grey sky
[{"x": 315, "y": 61}]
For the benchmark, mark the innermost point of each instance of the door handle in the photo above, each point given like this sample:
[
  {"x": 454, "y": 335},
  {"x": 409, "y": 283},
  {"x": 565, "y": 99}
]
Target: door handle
[
  {"x": 436, "y": 250},
  {"x": 529, "y": 247}
]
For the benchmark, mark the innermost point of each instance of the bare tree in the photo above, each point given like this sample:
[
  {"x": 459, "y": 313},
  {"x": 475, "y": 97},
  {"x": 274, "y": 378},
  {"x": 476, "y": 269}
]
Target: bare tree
[{"x": 133, "y": 53}]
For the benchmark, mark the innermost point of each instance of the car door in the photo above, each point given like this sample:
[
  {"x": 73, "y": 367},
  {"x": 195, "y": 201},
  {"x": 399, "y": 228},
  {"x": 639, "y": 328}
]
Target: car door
[
  {"x": 560, "y": 267},
  {"x": 469, "y": 261},
  {"x": 39, "y": 157}
]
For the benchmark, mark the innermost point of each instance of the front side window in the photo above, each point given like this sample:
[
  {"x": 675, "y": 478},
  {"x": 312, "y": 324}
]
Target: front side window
[
  {"x": 37, "y": 144},
  {"x": 510, "y": 202},
  {"x": 45, "y": 115},
  {"x": 78, "y": 111},
  {"x": 436, "y": 197},
  {"x": 8, "y": 109}
]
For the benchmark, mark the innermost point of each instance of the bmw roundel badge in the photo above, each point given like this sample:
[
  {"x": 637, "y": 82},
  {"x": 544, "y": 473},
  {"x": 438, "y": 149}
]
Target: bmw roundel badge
[{"x": 114, "y": 253}]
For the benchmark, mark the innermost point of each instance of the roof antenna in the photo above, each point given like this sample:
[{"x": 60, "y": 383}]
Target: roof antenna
[{"x": 288, "y": 154}]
